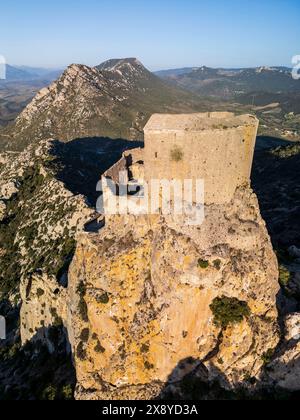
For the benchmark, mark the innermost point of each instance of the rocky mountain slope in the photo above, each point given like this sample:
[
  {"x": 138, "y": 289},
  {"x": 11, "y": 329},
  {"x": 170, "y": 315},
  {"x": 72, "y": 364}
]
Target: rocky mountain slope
[{"x": 112, "y": 100}]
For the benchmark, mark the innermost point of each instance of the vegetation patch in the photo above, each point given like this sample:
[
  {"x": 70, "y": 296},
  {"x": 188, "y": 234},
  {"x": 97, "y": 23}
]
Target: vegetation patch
[
  {"x": 145, "y": 348},
  {"x": 40, "y": 292},
  {"x": 148, "y": 365},
  {"x": 268, "y": 356},
  {"x": 81, "y": 352},
  {"x": 204, "y": 264},
  {"x": 103, "y": 299},
  {"x": 29, "y": 216},
  {"x": 82, "y": 306},
  {"x": 176, "y": 154},
  {"x": 99, "y": 348},
  {"x": 286, "y": 151},
  {"x": 284, "y": 276},
  {"x": 217, "y": 264},
  {"x": 84, "y": 336},
  {"x": 38, "y": 374},
  {"x": 228, "y": 311},
  {"x": 10, "y": 269}
]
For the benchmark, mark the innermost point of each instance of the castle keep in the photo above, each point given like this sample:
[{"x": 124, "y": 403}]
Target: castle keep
[
  {"x": 154, "y": 283},
  {"x": 217, "y": 147}
]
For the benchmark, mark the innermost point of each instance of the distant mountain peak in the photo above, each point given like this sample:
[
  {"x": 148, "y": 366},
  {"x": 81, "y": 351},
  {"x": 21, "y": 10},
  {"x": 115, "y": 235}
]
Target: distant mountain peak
[
  {"x": 115, "y": 63},
  {"x": 112, "y": 100},
  {"x": 264, "y": 69}
]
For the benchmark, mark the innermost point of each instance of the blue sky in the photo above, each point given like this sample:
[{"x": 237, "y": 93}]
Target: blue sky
[{"x": 162, "y": 34}]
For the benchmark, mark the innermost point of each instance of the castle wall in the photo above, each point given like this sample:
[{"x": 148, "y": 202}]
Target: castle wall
[{"x": 218, "y": 149}]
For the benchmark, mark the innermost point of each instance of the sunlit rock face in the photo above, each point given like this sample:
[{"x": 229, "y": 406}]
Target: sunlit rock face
[{"x": 146, "y": 301}]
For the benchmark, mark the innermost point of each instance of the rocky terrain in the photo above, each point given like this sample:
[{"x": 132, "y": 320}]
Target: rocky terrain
[
  {"x": 149, "y": 269},
  {"x": 154, "y": 293},
  {"x": 109, "y": 101},
  {"x": 113, "y": 304},
  {"x": 45, "y": 201}
]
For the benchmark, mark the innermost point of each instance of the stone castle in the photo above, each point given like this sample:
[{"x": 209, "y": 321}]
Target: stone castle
[
  {"x": 139, "y": 308},
  {"x": 151, "y": 281},
  {"x": 216, "y": 147}
]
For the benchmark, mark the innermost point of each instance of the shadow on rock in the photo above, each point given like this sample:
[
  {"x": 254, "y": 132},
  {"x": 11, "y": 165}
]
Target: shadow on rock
[
  {"x": 202, "y": 384},
  {"x": 40, "y": 370},
  {"x": 80, "y": 163},
  {"x": 276, "y": 181}
]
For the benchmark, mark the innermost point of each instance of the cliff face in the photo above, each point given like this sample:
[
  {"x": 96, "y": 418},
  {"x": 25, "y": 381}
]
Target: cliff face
[
  {"x": 40, "y": 217},
  {"x": 146, "y": 301}
]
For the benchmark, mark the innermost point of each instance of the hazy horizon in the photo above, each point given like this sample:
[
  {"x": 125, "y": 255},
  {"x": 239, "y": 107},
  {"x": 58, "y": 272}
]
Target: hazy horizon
[
  {"x": 24, "y": 66},
  {"x": 163, "y": 35}
]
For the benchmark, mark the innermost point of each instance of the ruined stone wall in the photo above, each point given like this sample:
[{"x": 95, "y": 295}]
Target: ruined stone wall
[{"x": 216, "y": 147}]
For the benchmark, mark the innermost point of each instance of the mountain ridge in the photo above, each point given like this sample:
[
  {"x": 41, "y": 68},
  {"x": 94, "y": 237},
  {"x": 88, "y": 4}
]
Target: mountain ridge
[
  {"x": 114, "y": 102},
  {"x": 226, "y": 83}
]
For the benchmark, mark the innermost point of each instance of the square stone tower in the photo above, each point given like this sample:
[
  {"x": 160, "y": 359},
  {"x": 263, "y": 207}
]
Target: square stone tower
[{"x": 217, "y": 147}]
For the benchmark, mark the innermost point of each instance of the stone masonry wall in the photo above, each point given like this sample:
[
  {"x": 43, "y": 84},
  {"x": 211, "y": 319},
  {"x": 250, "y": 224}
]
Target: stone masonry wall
[{"x": 216, "y": 147}]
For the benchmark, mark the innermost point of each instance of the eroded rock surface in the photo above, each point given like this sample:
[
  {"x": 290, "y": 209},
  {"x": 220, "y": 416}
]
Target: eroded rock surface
[
  {"x": 140, "y": 296},
  {"x": 284, "y": 371}
]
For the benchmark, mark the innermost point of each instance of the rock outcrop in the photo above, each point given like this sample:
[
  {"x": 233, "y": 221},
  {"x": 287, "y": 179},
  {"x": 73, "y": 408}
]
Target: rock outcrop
[
  {"x": 40, "y": 219},
  {"x": 153, "y": 300},
  {"x": 284, "y": 371},
  {"x": 150, "y": 306},
  {"x": 140, "y": 301}
]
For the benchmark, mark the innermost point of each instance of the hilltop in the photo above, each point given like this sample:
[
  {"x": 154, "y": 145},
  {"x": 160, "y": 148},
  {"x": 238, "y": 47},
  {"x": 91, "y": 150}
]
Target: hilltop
[{"x": 114, "y": 100}]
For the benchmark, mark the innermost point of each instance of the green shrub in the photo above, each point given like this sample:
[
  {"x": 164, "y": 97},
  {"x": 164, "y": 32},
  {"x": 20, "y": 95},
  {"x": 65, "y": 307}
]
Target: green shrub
[
  {"x": 49, "y": 393},
  {"x": 228, "y": 311},
  {"x": 267, "y": 356},
  {"x": 82, "y": 306},
  {"x": 10, "y": 352},
  {"x": 148, "y": 365},
  {"x": 217, "y": 264},
  {"x": 81, "y": 352},
  {"x": 104, "y": 299},
  {"x": 84, "y": 336},
  {"x": 145, "y": 348},
  {"x": 83, "y": 309},
  {"x": 99, "y": 348},
  {"x": 203, "y": 263},
  {"x": 284, "y": 276},
  {"x": 40, "y": 292},
  {"x": 67, "y": 392}
]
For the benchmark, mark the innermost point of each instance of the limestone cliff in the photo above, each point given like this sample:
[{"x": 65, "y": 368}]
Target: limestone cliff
[{"x": 140, "y": 301}]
